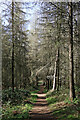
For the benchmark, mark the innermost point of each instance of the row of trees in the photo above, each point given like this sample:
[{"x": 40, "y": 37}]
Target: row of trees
[
  {"x": 62, "y": 45},
  {"x": 15, "y": 67},
  {"x": 41, "y": 42}
]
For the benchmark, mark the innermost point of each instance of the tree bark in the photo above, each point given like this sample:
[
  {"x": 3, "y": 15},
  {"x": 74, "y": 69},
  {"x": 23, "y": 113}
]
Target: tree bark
[
  {"x": 58, "y": 70},
  {"x": 71, "y": 64},
  {"x": 12, "y": 46},
  {"x": 36, "y": 80},
  {"x": 55, "y": 73}
]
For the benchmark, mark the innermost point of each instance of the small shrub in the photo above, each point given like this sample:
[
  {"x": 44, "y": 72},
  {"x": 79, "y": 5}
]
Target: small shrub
[{"x": 51, "y": 100}]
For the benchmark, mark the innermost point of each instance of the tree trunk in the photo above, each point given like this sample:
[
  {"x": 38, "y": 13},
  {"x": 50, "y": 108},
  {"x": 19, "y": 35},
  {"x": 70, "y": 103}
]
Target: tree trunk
[
  {"x": 72, "y": 89},
  {"x": 12, "y": 46},
  {"x": 58, "y": 70},
  {"x": 48, "y": 84},
  {"x": 36, "y": 81},
  {"x": 55, "y": 72}
]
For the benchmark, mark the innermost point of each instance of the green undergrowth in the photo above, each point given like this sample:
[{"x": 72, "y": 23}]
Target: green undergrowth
[
  {"x": 18, "y": 106},
  {"x": 33, "y": 98},
  {"x": 35, "y": 91},
  {"x": 62, "y": 107},
  {"x": 15, "y": 97},
  {"x": 18, "y": 111},
  {"x": 45, "y": 90}
]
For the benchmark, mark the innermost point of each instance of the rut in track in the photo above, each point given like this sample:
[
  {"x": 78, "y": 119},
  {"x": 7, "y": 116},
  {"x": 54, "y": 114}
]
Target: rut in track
[{"x": 40, "y": 110}]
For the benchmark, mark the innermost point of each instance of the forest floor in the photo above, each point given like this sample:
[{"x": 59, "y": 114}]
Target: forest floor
[
  {"x": 54, "y": 107},
  {"x": 41, "y": 110},
  {"x": 40, "y": 104}
]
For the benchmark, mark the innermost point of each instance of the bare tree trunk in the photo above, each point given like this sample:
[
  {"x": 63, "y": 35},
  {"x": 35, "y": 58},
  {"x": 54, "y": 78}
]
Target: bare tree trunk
[
  {"x": 58, "y": 70},
  {"x": 72, "y": 89},
  {"x": 55, "y": 73},
  {"x": 12, "y": 46},
  {"x": 36, "y": 80},
  {"x": 48, "y": 84}
]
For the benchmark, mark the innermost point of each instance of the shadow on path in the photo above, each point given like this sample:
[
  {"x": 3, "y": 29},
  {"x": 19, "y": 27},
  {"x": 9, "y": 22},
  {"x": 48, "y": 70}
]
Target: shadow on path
[{"x": 40, "y": 110}]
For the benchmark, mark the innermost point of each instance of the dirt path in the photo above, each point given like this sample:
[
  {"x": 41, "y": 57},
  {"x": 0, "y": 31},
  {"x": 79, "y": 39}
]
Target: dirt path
[{"x": 40, "y": 110}]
